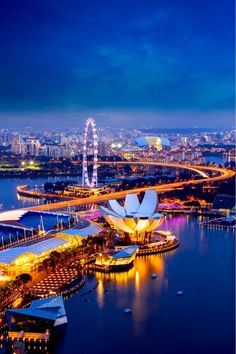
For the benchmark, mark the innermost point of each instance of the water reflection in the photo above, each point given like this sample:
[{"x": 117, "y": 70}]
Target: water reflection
[
  {"x": 203, "y": 243},
  {"x": 30, "y": 201},
  {"x": 161, "y": 321},
  {"x": 137, "y": 274},
  {"x": 100, "y": 294},
  {"x": 138, "y": 281},
  {"x": 144, "y": 282}
]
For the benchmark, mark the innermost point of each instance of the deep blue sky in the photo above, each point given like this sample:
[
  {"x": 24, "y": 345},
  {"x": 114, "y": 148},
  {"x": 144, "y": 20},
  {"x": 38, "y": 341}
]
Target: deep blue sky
[{"x": 169, "y": 62}]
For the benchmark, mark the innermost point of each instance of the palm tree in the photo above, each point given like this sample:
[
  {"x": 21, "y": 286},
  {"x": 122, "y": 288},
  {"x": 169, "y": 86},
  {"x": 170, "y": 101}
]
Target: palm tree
[{"x": 24, "y": 278}]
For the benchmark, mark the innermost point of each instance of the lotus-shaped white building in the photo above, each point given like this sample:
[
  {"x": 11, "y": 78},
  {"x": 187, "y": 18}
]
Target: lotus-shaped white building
[{"x": 135, "y": 217}]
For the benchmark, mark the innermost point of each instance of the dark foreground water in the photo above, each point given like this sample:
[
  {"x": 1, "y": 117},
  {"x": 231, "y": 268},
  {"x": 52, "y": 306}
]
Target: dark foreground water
[{"x": 199, "y": 322}]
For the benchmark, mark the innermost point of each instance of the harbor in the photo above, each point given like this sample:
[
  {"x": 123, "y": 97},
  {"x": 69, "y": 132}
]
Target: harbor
[{"x": 91, "y": 277}]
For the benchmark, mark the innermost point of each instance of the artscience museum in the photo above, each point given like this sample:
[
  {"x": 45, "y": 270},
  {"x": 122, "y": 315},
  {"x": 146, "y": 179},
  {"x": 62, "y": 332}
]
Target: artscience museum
[{"x": 134, "y": 217}]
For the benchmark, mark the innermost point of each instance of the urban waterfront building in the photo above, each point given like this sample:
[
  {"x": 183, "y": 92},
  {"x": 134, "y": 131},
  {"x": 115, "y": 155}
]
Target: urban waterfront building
[
  {"x": 117, "y": 261},
  {"x": 134, "y": 218},
  {"x": 224, "y": 203},
  {"x": 26, "y": 257},
  {"x": 36, "y": 321}
]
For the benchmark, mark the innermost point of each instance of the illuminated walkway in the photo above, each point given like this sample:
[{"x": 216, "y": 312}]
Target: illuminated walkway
[{"x": 222, "y": 174}]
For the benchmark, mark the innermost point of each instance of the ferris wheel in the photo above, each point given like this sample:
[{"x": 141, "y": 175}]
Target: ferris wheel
[{"x": 86, "y": 182}]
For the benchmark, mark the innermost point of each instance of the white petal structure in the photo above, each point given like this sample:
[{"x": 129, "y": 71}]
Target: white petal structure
[{"x": 134, "y": 218}]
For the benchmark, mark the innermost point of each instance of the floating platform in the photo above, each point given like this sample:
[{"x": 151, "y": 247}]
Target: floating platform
[
  {"x": 117, "y": 262},
  {"x": 168, "y": 246}
]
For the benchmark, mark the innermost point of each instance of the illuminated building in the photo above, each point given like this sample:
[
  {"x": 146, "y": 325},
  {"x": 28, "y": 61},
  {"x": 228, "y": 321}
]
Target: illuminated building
[
  {"x": 134, "y": 218},
  {"x": 26, "y": 146},
  {"x": 75, "y": 236},
  {"x": 26, "y": 258},
  {"x": 224, "y": 203},
  {"x": 155, "y": 142},
  {"x": 118, "y": 261},
  {"x": 81, "y": 192},
  {"x": 38, "y": 320}
]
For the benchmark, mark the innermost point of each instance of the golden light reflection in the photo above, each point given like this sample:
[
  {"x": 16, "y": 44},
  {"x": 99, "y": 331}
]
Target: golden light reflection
[
  {"x": 120, "y": 278},
  {"x": 137, "y": 281},
  {"x": 100, "y": 294},
  {"x": 145, "y": 266},
  {"x": 149, "y": 264},
  {"x": 28, "y": 199}
]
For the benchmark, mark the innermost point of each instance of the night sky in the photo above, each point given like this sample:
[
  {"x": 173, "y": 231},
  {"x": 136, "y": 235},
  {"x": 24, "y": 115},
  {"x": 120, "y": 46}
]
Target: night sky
[{"x": 168, "y": 63}]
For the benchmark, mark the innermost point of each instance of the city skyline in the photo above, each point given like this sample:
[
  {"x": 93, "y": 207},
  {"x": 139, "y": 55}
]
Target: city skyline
[
  {"x": 117, "y": 176},
  {"x": 125, "y": 64}
]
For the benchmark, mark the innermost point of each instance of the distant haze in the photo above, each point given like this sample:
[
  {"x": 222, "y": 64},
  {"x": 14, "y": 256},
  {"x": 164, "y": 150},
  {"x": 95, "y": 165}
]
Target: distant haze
[{"x": 116, "y": 119}]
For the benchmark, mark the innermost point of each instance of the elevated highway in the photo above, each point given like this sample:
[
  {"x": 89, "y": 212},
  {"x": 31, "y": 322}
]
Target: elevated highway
[
  {"x": 164, "y": 164},
  {"x": 220, "y": 174}
]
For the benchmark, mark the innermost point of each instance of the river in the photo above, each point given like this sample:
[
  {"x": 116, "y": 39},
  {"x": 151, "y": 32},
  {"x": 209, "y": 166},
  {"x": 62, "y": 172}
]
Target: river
[{"x": 8, "y": 195}]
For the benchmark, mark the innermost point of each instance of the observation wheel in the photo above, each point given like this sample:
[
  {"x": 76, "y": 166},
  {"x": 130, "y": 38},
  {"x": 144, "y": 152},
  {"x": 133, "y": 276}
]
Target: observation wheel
[{"x": 86, "y": 182}]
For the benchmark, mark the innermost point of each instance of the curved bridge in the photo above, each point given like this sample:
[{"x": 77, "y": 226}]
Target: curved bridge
[{"x": 222, "y": 174}]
